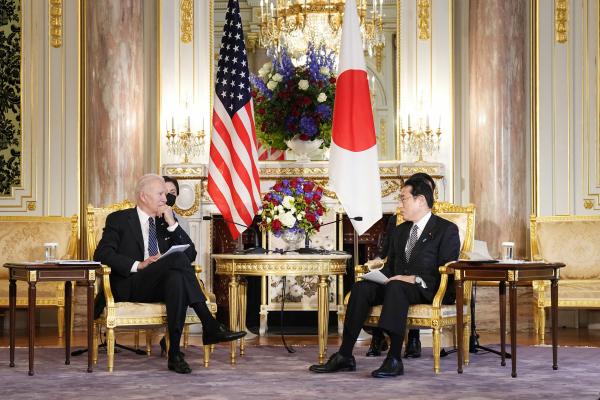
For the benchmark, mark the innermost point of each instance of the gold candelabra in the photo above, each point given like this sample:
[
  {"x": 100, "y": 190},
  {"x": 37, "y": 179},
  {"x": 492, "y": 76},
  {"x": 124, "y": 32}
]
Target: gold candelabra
[
  {"x": 185, "y": 142},
  {"x": 420, "y": 140}
]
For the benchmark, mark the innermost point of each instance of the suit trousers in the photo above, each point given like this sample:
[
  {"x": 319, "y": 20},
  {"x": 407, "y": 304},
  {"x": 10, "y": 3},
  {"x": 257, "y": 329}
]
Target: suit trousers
[
  {"x": 395, "y": 298},
  {"x": 171, "y": 280}
]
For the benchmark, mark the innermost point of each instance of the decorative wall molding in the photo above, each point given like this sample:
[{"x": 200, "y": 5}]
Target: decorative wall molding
[
  {"x": 561, "y": 13},
  {"x": 186, "y": 12},
  {"x": 424, "y": 19},
  {"x": 56, "y": 23},
  {"x": 11, "y": 138}
]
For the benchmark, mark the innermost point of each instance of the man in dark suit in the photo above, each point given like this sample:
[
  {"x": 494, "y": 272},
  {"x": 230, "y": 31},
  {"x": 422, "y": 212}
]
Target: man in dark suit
[
  {"x": 378, "y": 341},
  {"x": 418, "y": 247},
  {"x": 132, "y": 244}
]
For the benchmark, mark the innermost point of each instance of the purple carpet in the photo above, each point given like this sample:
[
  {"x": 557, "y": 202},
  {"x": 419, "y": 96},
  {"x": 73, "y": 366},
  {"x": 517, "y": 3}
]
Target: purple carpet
[{"x": 270, "y": 372}]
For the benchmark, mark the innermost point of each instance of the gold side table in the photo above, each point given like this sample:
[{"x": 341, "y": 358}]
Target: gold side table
[{"x": 263, "y": 265}]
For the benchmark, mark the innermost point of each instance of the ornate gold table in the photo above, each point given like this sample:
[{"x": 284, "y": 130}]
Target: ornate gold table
[{"x": 263, "y": 265}]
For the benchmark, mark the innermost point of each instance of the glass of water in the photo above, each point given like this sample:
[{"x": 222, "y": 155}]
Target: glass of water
[
  {"x": 50, "y": 250},
  {"x": 508, "y": 250}
]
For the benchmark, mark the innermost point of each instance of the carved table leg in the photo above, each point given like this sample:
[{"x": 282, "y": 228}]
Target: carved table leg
[
  {"x": 31, "y": 324},
  {"x": 12, "y": 301},
  {"x": 502, "y": 295},
  {"x": 323, "y": 315},
  {"x": 458, "y": 283},
  {"x": 554, "y": 307},
  {"x": 513, "y": 326},
  {"x": 233, "y": 311},
  {"x": 67, "y": 321},
  {"x": 90, "y": 323}
]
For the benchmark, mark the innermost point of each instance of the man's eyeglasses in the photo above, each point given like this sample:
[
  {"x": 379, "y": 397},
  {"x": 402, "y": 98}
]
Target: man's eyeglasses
[{"x": 404, "y": 199}]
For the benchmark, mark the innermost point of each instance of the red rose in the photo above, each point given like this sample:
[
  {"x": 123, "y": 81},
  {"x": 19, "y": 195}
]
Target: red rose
[
  {"x": 261, "y": 111},
  {"x": 304, "y": 137},
  {"x": 332, "y": 80},
  {"x": 311, "y": 218},
  {"x": 294, "y": 182},
  {"x": 317, "y": 196},
  {"x": 276, "y": 225},
  {"x": 306, "y": 100},
  {"x": 319, "y": 211},
  {"x": 308, "y": 186},
  {"x": 278, "y": 186}
]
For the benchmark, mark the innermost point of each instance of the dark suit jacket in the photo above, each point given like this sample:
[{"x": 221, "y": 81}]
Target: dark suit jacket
[
  {"x": 438, "y": 244},
  {"x": 122, "y": 243}
]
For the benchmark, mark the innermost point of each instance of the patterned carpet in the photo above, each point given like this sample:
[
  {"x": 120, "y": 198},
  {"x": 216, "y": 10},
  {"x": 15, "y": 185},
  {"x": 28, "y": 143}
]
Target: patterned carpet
[{"x": 270, "y": 372}]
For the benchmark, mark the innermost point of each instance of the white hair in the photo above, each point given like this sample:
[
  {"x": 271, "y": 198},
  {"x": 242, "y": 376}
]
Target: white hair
[{"x": 144, "y": 182}]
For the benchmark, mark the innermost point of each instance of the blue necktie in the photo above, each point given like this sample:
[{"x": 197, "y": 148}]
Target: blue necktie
[{"x": 152, "y": 241}]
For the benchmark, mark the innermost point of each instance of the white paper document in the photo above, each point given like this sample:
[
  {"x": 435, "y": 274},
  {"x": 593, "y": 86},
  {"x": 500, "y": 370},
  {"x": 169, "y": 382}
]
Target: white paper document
[
  {"x": 375, "y": 276},
  {"x": 480, "y": 252},
  {"x": 176, "y": 249},
  {"x": 77, "y": 262}
]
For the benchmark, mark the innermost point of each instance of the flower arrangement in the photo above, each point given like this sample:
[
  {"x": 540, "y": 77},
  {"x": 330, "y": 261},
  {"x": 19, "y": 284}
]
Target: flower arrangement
[
  {"x": 294, "y": 98},
  {"x": 292, "y": 205}
]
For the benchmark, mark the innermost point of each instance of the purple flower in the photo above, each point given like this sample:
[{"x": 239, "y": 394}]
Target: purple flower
[
  {"x": 324, "y": 112},
  {"x": 308, "y": 126},
  {"x": 261, "y": 86}
]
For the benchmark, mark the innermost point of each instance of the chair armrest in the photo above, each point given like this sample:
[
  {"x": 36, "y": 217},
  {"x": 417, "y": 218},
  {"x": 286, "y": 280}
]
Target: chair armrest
[
  {"x": 209, "y": 296},
  {"x": 370, "y": 265},
  {"x": 108, "y": 295},
  {"x": 445, "y": 271},
  {"x": 359, "y": 270}
]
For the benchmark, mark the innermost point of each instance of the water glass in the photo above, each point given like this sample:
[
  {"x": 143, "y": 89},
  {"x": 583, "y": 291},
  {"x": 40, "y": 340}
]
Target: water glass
[
  {"x": 508, "y": 250},
  {"x": 50, "y": 250}
]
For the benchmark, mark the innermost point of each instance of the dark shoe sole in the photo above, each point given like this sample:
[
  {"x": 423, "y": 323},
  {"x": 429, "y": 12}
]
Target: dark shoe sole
[
  {"x": 373, "y": 354},
  {"x": 412, "y": 355},
  {"x": 208, "y": 341},
  {"x": 322, "y": 371},
  {"x": 180, "y": 371},
  {"x": 374, "y": 375}
]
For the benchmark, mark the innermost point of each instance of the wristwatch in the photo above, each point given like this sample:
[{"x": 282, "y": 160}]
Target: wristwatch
[{"x": 421, "y": 282}]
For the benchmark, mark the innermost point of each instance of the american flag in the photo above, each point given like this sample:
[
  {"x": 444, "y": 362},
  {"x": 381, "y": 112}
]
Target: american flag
[{"x": 233, "y": 182}]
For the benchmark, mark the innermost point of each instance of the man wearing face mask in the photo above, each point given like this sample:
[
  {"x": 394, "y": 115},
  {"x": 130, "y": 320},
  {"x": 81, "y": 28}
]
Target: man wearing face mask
[
  {"x": 131, "y": 245},
  {"x": 172, "y": 193}
]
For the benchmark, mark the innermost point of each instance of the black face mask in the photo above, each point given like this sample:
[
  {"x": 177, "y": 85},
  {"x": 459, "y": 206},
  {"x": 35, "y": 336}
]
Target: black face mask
[{"x": 171, "y": 199}]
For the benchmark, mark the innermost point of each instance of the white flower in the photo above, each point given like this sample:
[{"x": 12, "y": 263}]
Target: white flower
[
  {"x": 321, "y": 97},
  {"x": 268, "y": 220},
  {"x": 288, "y": 202},
  {"x": 277, "y": 77},
  {"x": 303, "y": 84},
  {"x": 271, "y": 85},
  {"x": 287, "y": 219},
  {"x": 296, "y": 291},
  {"x": 324, "y": 71}
]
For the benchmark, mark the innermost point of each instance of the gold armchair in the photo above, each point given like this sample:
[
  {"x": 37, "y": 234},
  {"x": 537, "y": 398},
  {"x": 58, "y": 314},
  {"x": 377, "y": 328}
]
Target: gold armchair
[
  {"x": 129, "y": 315},
  {"x": 568, "y": 239},
  {"x": 22, "y": 239},
  {"x": 438, "y": 316}
]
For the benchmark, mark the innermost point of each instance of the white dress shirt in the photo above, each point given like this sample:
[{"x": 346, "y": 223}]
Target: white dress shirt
[
  {"x": 145, "y": 232},
  {"x": 420, "y": 227}
]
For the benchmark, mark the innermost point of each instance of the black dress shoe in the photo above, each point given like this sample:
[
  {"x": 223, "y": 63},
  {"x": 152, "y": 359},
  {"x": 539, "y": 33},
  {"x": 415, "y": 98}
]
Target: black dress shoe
[
  {"x": 222, "y": 334},
  {"x": 178, "y": 364},
  {"x": 336, "y": 362},
  {"x": 391, "y": 367},
  {"x": 413, "y": 348},
  {"x": 378, "y": 344}
]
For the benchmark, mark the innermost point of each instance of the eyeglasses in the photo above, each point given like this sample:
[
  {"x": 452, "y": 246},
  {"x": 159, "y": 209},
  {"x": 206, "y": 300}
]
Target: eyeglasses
[{"x": 404, "y": 199}]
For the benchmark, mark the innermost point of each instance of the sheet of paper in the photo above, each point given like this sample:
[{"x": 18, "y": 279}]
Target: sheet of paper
[
  {"x": 176, "y": 249},
  {"x": 480, "y": 252},
  {"x": 375, "y": 276}
]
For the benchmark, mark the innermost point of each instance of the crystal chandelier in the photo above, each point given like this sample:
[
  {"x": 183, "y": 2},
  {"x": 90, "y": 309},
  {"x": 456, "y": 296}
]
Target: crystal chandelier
[{"x": 293, "y": 24}]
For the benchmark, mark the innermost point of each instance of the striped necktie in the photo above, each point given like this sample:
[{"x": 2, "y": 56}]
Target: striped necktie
[
  {"x": 412, "y": 240},
  {"x": 152, "y": 241}
]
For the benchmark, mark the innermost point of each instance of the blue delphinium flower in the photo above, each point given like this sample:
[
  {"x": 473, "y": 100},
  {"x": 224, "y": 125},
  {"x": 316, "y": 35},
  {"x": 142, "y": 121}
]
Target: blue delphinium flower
[
  {"x": 261, "y": 85},
  {"x": 308, "y": 126},
  {"x": 323, "y": 111}
]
